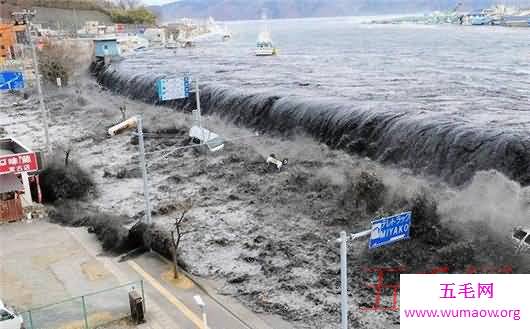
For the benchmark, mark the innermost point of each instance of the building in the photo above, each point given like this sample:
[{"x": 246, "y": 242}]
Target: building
[
  {"x": 10, "y": 199},
  {"x": 19, "y": 179},
  {"x": 106, "y": 48},
  {"x": 7, "y": 42},
  {"x": 155, "y": 36}
]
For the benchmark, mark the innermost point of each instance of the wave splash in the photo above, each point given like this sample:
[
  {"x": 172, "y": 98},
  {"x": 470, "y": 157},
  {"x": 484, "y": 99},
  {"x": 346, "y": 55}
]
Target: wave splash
[{"x": 453, "y": 151}]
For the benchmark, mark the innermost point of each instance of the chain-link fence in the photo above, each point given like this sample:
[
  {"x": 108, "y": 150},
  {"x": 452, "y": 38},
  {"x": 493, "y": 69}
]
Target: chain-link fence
[{"x": 94, "y": 310}]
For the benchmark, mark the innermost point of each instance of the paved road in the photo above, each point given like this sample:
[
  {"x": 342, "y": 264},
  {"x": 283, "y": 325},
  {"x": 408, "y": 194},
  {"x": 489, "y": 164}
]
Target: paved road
[{"x": 42, "y": 263}]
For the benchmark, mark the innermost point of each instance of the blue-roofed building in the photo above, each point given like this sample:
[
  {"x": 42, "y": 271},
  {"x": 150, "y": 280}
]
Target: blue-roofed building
[{"x": 106, "y": 47}]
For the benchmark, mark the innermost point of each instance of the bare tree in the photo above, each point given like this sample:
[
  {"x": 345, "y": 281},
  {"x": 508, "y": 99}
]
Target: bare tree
[
  {"x": 67, "y": 149},
  {"x": 67, "y": 156},
  {"x": 123, "y": 110},
  {"x": 177, "y": 233}
]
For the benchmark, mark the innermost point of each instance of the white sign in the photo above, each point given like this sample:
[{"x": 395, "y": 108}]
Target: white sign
[{"x": 175, "y": 88}]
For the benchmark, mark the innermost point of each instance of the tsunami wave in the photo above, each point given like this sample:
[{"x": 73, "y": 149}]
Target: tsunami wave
[{"x": 438, "y": 146}]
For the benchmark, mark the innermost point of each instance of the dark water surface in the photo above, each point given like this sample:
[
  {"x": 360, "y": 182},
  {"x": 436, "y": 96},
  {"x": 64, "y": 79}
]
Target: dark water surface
[{"x": 443, "y": 100}]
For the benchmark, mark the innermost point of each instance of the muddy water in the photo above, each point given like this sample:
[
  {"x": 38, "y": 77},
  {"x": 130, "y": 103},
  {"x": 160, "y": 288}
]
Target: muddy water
[{"x": 443, "y": 100}]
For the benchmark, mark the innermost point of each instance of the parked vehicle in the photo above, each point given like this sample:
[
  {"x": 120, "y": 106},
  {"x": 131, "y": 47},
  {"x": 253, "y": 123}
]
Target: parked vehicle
[
  {"x": 8, "y": 318},
  {"x": 521, "y": 239}
]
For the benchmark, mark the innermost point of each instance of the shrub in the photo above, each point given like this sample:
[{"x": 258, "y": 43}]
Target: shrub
[{"x": 59, "y": 181}]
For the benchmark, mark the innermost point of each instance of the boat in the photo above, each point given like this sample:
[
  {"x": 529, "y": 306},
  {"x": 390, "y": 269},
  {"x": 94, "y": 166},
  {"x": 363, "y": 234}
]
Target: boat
[
  {"x": 264, "y": 46},
  {"x": 227, "y": 35},
  {"x": 477, "y": 18}
]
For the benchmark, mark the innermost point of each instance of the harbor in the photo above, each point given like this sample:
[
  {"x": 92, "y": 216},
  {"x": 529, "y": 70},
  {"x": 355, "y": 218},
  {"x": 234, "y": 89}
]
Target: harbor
[{"x": 498, "y": 15}]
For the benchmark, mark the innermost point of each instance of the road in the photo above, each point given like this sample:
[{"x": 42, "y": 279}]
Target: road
[{"x": 43, "y": 263}]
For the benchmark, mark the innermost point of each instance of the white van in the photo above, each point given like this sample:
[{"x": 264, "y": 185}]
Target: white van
[
  {"x": 8, "y": 319},
  {"x": 521, "y": 238}
]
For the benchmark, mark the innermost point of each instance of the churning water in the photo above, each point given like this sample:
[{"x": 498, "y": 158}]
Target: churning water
[{"x": 442, "y": 100}]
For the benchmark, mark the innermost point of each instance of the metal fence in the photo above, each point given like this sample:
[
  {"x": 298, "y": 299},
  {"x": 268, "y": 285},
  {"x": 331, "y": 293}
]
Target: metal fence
[{"x": 94, "y": 310}]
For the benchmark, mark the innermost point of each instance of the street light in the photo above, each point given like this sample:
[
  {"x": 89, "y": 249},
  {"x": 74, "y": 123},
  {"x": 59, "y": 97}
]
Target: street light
[
  {"x": 202, "y": 305},
  {"x": 132, "y": 122}
]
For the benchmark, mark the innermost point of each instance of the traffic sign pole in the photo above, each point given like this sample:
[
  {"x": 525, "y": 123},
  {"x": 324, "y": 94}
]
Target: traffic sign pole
[
  {"x": 384, "y": 231},
  {"x": 344, "y": 274}
]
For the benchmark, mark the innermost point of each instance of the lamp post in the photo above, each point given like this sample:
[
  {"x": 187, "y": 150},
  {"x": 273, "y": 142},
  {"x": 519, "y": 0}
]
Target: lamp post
[
  {"x": 137, "y": 121},
  {"x": 143, "y": 167}
]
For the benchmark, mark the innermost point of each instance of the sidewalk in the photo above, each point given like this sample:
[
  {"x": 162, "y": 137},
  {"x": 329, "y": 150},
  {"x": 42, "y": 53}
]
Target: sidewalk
[{"x": 169, "y": 302}]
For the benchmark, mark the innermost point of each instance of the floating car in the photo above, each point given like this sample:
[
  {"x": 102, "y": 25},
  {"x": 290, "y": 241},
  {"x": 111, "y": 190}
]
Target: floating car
[
  {"x": 8, "y": 318},
  {"x": 521, "y": 239},
  {"x": 272, "y": 160},
  {"x": 201, "y": 135}
]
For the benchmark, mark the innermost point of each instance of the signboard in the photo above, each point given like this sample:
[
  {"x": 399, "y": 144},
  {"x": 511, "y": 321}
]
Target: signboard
[
  {"x": 11, "y": 80},
  {"x": 176, "y": 88},
  {"x": 16, "y": 163},
  {"x": 390, "y": 229},
  {"x": 120, "y": 28}
]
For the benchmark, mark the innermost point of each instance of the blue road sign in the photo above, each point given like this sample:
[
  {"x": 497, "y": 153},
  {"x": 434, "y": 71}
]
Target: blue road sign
[
  {"x": 177, "y": 88},
  {"x": 11, "y": 80},
  {"x": 390, "y": 229}
]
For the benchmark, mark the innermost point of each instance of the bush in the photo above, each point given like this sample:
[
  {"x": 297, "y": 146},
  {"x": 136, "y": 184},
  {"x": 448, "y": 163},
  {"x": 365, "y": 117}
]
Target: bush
[
  {"x": 456, "y": 256},
  {"x": 133, "y": 16},
  {"x": 366, "y": 189},
  {"x": 109, "y": 229},
  {"x": 58, "y": 182},
  {"x": 55, "y": 62}
]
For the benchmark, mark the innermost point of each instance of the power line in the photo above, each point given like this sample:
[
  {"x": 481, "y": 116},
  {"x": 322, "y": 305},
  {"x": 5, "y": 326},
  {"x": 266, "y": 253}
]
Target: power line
[{"x": 171, "y": 151}]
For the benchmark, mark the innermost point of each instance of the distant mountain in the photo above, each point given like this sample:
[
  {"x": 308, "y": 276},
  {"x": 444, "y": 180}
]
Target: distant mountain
[{"x": 252, "y": 9}]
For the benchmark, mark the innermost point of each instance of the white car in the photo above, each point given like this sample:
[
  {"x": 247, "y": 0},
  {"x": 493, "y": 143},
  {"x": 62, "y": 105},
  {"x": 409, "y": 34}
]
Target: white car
[
  {"x": 8, "y": 319},
  {"x": 521, "y": 238}
]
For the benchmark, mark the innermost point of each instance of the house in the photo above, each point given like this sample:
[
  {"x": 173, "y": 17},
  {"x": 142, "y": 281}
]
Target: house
[
  {"x": 19, "y": 179},
  {"x": 106, "y": 48},
  {"x": 155, "y": 35},
  {"x": 7, "y": 42}
]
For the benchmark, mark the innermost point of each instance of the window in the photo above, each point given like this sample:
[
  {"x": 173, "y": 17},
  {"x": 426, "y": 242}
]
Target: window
[
  {"x": 5, "y": 315},
  {"x": 519, "y": 234},
  {"x": 527, "y": 240},
  {"x": 105, "y": 47},
  {"x": 2, "y": 47}
]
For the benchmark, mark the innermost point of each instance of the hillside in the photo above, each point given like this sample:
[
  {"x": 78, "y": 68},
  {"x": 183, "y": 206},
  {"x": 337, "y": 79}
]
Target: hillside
[
  {"x": 243, "y": 9},
  {"x": 59, "y": 4}
]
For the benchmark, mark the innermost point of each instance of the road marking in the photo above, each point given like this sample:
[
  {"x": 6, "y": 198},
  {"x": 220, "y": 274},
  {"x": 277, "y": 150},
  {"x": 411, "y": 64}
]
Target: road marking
[{"x": 169, "y": 296}]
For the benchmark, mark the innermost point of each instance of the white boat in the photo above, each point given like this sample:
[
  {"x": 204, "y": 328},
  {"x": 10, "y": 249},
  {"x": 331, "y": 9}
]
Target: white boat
[
  {"x": 227, "y": 35},
  {"x": 264, "y": 46}
]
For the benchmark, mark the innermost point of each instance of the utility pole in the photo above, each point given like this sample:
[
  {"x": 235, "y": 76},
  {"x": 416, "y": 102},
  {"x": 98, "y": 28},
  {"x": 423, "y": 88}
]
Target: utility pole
[
  {"x": 27, "y": 16},
  {"x": 144, "y": 170}
]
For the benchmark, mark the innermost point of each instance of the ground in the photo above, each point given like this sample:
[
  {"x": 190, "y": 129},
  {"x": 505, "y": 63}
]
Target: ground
[
  {"x": 61, "y": 264},
  {"x": 264, "y": 236}
]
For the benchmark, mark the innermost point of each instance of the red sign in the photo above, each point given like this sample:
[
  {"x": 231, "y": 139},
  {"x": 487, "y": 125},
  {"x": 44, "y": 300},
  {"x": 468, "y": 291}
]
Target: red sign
[
  {"x": 120, "y": 28},
  {"x": 18, "y": 163}
]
